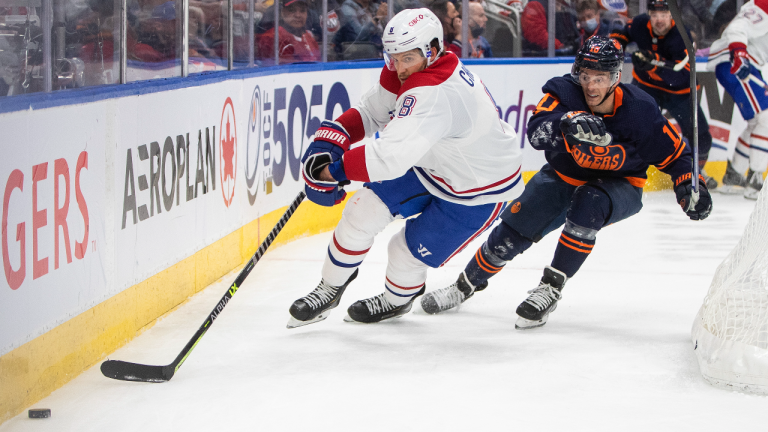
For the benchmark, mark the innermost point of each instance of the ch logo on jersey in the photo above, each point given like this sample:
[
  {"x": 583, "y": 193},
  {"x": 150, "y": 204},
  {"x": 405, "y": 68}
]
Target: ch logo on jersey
[
  {"x": 516, "y": 207},
  {"x": 408, "y": 103},
  {"x": 466, "y": 75},
  {"x": 610, "y": 158},
  {"x": 423, "y": 251}
]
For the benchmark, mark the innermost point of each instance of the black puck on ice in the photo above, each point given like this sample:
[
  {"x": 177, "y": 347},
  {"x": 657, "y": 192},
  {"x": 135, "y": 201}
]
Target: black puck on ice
[{"x": 39, "y": 413}]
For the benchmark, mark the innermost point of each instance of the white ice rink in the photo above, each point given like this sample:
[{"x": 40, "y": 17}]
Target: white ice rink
[{"x": 615, "y": 356}]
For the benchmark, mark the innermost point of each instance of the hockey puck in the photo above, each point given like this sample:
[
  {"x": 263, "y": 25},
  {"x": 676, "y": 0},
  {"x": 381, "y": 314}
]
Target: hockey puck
[{"x": 39, "y": 413}]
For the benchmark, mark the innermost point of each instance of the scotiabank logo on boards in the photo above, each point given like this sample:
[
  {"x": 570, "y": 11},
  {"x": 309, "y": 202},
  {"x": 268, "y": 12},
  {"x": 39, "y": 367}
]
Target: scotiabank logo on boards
[
  {"x": 60, "y": 179},
  {"x": 228, "y": 152}
]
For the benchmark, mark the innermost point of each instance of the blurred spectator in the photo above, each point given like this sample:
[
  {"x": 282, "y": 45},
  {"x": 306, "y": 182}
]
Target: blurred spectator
[
  {"x": 535, "y": 34},
  {"x": 361, "y": 21},
  {"x": 448, "y": 15},
  {"x": 479, "y": 47},
  {"x": 295, "y": 41},
  {"x": 401, "y": 5},
  {"x": 617, "y": 6},
  {"x": 593, "y": 23},
  {"x": 315, "y": 25}
]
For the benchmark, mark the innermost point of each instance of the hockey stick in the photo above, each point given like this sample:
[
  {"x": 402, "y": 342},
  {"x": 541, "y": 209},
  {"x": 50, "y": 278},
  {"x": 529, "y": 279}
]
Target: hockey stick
[
  {"x": 126, "y": 371},
  {"x": 665, "y": 64},
  {"x": 677, "y": 16},
  {"x": 759, "y": 82}
]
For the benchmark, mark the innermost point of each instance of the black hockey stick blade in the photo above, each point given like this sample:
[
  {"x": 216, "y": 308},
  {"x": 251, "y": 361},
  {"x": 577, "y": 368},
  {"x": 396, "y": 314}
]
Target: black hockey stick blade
[
  {"x": 120, "y": 370},
  {"x": 126, "y": 371}
]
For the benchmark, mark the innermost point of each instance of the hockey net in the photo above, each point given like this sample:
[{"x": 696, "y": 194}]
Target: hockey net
[{"x": 730, "y": 333}]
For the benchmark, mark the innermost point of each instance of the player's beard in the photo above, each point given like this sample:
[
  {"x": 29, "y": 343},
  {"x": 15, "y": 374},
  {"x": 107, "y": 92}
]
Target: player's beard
[{"x": 405, "y": 75}]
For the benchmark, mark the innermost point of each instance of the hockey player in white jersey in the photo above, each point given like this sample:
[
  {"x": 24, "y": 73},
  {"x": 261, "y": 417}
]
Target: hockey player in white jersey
[
  {"x": 736, "y": 58},
  {"x": 443, "y": 154}
]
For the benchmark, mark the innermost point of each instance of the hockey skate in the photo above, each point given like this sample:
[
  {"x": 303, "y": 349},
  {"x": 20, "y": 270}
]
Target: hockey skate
[
  {"x": 375, "y": 309},
  {"x": 542, "y": 301},
  {"x": 709, "y": 181},
  {"x": 449, "y": 297},
  {"x": 316, "y": 306},
  {"x": 754, "y": 184},
  {"x": 733, "y": 181}
]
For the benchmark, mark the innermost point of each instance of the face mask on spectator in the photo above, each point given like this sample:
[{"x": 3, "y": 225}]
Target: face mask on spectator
[
  {"x": 590, "y": 25},
  {"x": 477, "y": 31}
]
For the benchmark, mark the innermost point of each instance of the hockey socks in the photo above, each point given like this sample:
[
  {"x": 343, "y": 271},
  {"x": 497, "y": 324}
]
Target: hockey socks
[
  {"x": 571, "y": 253},
  {"x": 502, "y": 245},
  {"x": 342, "y": 261},
  {"x": 589, "y": 211}
]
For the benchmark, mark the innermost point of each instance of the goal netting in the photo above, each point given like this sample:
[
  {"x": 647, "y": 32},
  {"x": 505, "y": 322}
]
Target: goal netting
[{"x": 730, "y": 332}]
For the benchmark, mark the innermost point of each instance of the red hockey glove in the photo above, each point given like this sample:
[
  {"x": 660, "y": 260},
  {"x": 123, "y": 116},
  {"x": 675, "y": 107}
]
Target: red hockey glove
[{"x": 739, "y": 60}]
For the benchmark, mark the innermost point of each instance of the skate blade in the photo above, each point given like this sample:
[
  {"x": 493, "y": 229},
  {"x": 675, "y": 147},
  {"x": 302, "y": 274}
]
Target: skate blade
[
  {"x": 526, "y": 324},
  {"x": 349, "y": 319},
  {"x": 293, "y": 322},
  {"x": 751, "y": 194},
  {"x": 730, "y": 189}
]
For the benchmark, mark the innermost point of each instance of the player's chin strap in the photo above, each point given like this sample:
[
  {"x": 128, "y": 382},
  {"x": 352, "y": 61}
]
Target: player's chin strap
[
  {"x": 610, "y": 93},
  {"x": 431, "y": 61}
]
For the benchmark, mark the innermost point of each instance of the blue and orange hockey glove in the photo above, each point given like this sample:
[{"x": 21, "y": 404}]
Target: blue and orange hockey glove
[
  {"x": 739, "y": 60},
  {"x": 684, "y": 192}
]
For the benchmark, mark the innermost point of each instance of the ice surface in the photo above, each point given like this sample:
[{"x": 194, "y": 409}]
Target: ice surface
[{"x": 615, "y": 356}]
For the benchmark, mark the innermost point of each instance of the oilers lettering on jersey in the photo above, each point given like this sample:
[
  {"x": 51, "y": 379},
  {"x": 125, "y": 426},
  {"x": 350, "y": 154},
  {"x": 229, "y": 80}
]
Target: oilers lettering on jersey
[
  {"x": 609, "y": 158},
  {"x": 641, "y": 136},
  {"x": 445, "y": 128}
]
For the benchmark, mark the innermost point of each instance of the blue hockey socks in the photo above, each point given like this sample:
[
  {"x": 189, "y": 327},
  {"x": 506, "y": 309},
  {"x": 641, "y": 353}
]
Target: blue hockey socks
[{"x": 502, "y": 245}]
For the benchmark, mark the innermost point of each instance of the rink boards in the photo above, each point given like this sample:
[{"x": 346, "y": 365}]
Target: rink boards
[{"x": 121, "y": 202}]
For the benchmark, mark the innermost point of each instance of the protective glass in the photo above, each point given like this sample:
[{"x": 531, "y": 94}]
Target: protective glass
[{"x": 407, "y": 59}]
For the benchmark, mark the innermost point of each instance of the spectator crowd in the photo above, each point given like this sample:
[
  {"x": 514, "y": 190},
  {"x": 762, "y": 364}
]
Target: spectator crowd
[{"x": 86, "y": 42}]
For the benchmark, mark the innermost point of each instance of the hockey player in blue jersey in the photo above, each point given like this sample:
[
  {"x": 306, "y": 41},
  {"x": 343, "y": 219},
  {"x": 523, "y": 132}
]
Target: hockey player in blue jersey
[
  {"x": 599, "y": 138},
  {"x": 661, "y": 69}
]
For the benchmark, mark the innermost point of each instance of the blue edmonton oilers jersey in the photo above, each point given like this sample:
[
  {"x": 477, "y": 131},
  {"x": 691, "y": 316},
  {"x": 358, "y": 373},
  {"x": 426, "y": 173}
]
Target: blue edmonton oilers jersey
[
  {"x": 641, "y": 136},
  {"x": 668, "y": 47}
]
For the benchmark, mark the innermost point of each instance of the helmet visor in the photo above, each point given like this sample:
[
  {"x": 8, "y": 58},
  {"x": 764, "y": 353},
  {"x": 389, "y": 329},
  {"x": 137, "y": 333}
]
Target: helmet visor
[
  {"x": 406, "y": 59},
  {"x": 595, "y": 79}
]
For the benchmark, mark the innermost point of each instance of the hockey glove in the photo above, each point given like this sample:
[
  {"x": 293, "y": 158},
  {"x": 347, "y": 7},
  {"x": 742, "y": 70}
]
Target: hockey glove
[
  {"x": 641, "y": 60},
  {"x": 683, "y": 192},
  {"x": 739, "y": 60},
  {"x": 330, "y": 138},
  {"x": 324, "y": 193},
  {"x": 579, "y": 128}
]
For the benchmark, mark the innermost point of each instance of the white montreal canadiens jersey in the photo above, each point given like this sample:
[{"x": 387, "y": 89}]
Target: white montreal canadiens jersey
[
  {"x": 442, "y": 122},
  {"x": 750, "y": 27}
]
